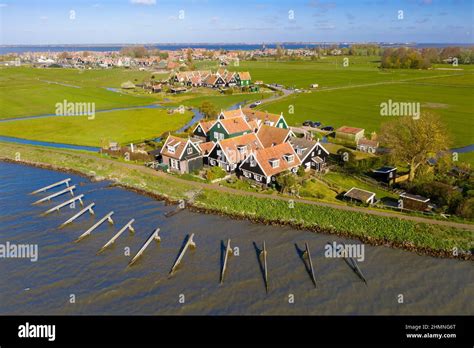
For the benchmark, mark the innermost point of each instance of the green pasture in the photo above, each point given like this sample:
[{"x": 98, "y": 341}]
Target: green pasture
[{"x": 122, "y": 126}]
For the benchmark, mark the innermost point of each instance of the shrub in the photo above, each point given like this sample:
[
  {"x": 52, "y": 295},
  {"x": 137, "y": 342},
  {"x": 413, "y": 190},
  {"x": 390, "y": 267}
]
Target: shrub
[{"x": 214, "y": 173}]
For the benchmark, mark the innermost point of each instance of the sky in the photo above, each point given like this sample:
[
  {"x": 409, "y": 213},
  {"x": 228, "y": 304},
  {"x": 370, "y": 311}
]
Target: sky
[{"x": 37, "y": 22}]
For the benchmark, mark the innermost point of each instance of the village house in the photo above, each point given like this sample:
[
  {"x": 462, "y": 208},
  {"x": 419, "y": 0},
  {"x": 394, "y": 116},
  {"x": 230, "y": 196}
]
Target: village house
[
  {"x": 265, "y": 118},
  {"x": 243, "y": 79},
  {"x": 228, "y": 128},
  {"x": 271, "y": 136},
  {"x": 229, "y": 153},
  {"x": 350, "y": 133},
  {"x": 206, "y": 78},
  {"x": 262, "y": 166},
  {"x": 181, "y": 155},
  {"x": 368, "y": 146},
  {"x": 201, "y": 131},
  {"x": 359, "y": 195},
  {"x": 311, "y": 153}
]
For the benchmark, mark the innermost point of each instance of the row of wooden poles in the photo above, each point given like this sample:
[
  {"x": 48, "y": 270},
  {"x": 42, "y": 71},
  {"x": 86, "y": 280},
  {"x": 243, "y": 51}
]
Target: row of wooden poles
[{"x": 262, "y": 253}]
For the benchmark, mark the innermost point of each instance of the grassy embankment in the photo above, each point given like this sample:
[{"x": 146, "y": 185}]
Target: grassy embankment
[{"x": 430, "y": 238}]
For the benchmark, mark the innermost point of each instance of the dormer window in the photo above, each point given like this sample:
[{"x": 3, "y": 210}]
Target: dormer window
[
  {"x": 275, "y": 163},
  {"x": 289, "y": 157},
  {"x": 171, "y": 149},
  {"x": 241, "y": 148}
]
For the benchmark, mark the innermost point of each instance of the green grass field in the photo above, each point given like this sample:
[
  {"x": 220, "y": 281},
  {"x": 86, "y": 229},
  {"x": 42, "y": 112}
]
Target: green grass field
[
  {"x": 122, "y": 126},
  {"x": 352, "y": 95},
  {"x": 26, "y": 91}
]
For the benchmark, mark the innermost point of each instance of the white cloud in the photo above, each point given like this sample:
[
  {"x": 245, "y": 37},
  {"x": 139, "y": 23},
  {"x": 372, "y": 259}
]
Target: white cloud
[{"x": 143, "y": 2}]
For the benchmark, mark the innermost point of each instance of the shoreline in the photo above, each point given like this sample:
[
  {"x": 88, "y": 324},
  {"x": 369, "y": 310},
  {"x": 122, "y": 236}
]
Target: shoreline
[{"x": 425, "y": 251}]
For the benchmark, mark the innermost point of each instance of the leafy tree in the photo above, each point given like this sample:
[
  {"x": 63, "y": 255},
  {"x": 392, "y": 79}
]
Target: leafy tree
[
  {"x": 208, "y": 109},
  {"x": 414, "y": 141},
  {"x": 286, "y": 181},
  {"x": 403, "y": 58}
]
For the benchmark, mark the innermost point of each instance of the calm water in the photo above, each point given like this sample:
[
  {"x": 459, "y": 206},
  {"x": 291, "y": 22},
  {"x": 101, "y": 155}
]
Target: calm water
[{"x": 103, "y": 284}]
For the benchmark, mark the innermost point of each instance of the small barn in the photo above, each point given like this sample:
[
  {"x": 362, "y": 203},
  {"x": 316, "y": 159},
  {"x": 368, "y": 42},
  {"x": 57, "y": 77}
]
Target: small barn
[
  {"x": 358, "y": 195},
  {"x": 414, "y": 202},
  {"x": 385, "y": 174}
]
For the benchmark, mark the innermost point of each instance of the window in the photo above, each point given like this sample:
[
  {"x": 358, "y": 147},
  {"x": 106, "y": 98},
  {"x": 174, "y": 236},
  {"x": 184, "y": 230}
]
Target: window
[
  {"x": 174, "y": 164},
  {"x": 199, "y": 129},
  {"x": 171, "y": 149},
  {"x": 275, "y": 163},
  {"x": 246, "y": 174},
  {"x": 189, "y": 150},
  {"x": 258, "y": 177},
  {"x": 290, "y": 158},
  {"x": 319, "y": 151},
  {"x": 281, "y": 125},
  {"x": 253, "y": 163}
]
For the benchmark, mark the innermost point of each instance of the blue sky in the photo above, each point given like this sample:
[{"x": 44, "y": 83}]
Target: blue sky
[{"x": 193, "y": 21}]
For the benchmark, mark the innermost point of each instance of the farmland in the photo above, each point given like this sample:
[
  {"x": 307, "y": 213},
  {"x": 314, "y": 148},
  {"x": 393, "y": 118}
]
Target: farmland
[
  {"x": 27, "y": 91},
  {"x": 352, "y": 95},
  {"x": 122, "y": 126}
]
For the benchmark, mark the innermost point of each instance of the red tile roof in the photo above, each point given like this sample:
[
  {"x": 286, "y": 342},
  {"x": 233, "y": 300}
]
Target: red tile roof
[
  {"x": 349, "y": 130},
  {"x": 276, "y": 152},
  {"x": 270, "y": 136},
  {"x": 238, "y": 148},
  {"x": 235, "y": 125}
]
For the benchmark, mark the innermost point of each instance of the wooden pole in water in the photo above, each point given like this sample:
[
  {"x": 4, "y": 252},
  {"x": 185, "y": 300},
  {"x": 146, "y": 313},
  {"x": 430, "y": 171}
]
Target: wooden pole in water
[
  {"x": 59, "y": 206},
  {"x": 65, "y": 181},
  {"x": 265, "y": 270},
  {"x": 154, "y": 236},
  {"x": 70, "y": 189},
  {"x": 88, "y": 208},
  {"x": 97, "y": 224},
  {"x": 308, "y": 255},
  {"x": 112, "y": 240},
  {"x": 189, "y": 243},
  {"x": 228, "y": 251}
]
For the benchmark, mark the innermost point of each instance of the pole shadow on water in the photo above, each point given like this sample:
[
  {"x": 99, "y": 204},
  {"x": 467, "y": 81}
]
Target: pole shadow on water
[
  {"x": 258, "y": 252},
  {"x": 352, "y": 265},
  {"x": 177, "y": 261},
  {"x": 223, "y": 252},
  {"x": 301, "y": 255}
]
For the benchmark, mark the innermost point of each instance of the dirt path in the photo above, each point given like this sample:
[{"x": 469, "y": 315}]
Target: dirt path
[{"x": 229, "y": 190}]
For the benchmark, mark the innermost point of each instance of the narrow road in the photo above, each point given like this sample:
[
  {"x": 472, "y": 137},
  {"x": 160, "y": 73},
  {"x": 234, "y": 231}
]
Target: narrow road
[
  {"x": 229, "y": 190},
  {"x": 275, "y": 97}
]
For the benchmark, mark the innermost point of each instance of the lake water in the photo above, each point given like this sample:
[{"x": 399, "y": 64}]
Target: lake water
[{"x": 103, "y": 284}]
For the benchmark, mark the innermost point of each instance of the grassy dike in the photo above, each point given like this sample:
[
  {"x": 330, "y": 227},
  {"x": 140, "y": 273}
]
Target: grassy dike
[{"x": 423, "y": 238}]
